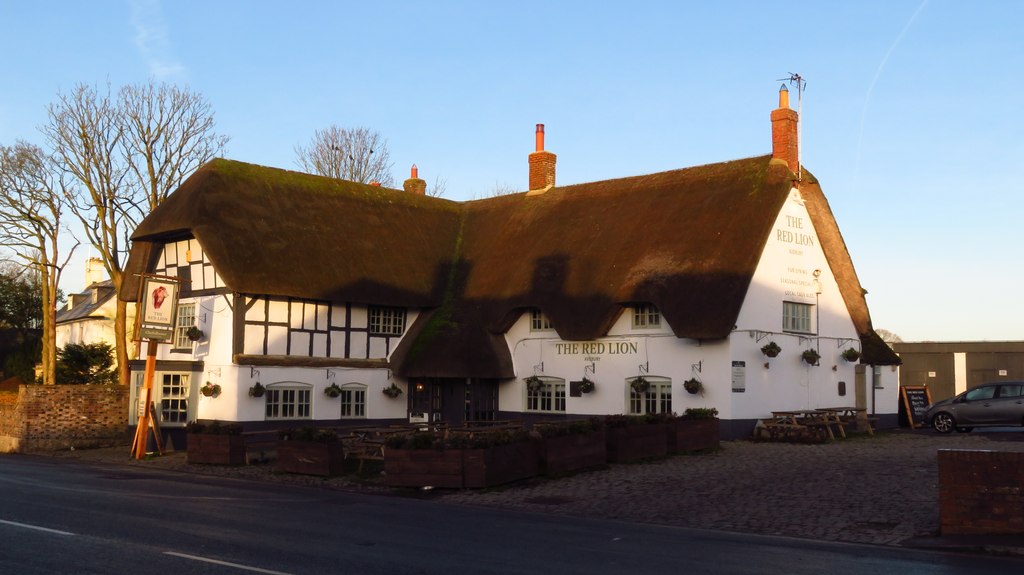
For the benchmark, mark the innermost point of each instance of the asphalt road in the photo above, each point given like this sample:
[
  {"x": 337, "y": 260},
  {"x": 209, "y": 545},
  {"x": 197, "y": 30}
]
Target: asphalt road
[{"x": 68, "y": 516}]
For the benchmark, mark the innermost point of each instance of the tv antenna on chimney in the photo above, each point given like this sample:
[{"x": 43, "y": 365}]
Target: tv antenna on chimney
[{"x": 797, "y": 79}]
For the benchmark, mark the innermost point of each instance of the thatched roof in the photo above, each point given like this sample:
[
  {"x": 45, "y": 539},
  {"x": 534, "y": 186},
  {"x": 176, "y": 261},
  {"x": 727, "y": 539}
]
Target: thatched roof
[{"x": 686, "y": 240}]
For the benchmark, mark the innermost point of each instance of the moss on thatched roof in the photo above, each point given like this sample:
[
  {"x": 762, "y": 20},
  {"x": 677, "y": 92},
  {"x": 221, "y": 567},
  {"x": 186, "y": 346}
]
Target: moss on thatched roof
[{"x": 685, "y": 240}]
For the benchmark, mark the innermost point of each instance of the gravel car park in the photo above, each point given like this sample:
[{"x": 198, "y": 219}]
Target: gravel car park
[{"x": 988, "y": 405}]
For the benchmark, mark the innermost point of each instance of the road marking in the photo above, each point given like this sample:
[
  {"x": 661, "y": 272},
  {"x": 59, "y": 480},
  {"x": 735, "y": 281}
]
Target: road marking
[
  {"x": 225, "y": 563},
  {"x": 36, "y": 527}
]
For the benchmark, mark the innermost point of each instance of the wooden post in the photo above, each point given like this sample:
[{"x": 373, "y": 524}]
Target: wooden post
[{"x": 142, "y": 429}]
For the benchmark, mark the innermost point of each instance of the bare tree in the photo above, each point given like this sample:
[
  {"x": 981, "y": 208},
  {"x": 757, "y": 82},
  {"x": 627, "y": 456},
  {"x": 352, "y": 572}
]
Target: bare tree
[
  {"x": 353, "y": 154},
  {"x": 168, "y": 133},
  {"x": 125, "y": 157},
  {"x": 32, "y": 202},
  {"x": 888, "y": 336},
  {"x": 439, "y": 188}
]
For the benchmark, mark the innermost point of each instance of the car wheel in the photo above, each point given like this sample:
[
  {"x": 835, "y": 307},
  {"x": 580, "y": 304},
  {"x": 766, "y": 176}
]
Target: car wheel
[
  {"x": 943, "y": 422},
  {"x": 964, "y": 429}
]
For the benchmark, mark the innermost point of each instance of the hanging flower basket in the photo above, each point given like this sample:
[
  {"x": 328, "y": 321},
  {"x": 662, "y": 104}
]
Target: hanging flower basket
[
  {"x": 257, "y": 390},
  {"x": 193, "y": 333},
  {"x": 586, "y": 386},
  {"x": 640, "y": 385},
  {"x": 210, "y": 389},
  {"x": 851, "y": 355},
  {"x": 771, "y": 349},
  {"x": 693, "y": 386},
  {"x": 332, "y": 390},
  {"x": 392, "y": 391},
  {"x": 534, "y": 383},
  {"x": 811, "y": 356}
]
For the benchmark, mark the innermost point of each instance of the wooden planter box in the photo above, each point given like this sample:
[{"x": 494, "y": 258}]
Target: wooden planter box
[
  {"x": 637, "y": 442},
  {"x": 311, "y": 457},
  {"x": 421, "y": 467},
  {"x": 458, "y": 468},
  {"x": 216, "y": 449},
  {"x": 499, "y": 465},
  {"x": 569, "y": 453},
  {"x": 687, "y": 435}
]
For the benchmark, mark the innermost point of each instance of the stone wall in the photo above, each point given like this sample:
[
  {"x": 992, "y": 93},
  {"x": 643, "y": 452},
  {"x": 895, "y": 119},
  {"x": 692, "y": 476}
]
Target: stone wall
[
  {"x": 54, "y": 417},
  {"x": 981, "y": 492}
]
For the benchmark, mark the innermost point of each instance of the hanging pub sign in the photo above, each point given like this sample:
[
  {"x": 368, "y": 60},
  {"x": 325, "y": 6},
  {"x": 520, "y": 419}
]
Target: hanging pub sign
[{"x": 158, "y": 308}]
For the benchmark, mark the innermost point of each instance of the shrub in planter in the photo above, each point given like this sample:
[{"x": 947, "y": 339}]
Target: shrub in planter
[
  {"x": 771, "y": 349},
  {"x": 636, "y": 437},
  {"x": 310, "y": 451},
  {"x": 534, "y": 382},
  {"x": 215, "y": 443},
  {"x": 811, "y": 356},
  {"x": 482, "y": 459},
  {"x": 697, "y": 429},
  {"x": 572, "y": 446},
  {"x": 332, "y": 390},
  {"x": 392, "y": 391},
  {"x": 586, "y": 386},
  {"x": 257, "y": 390},
  {"x": 193, "y": 333},
  {"x": 693, "y": 386},
  {"x": 851, "y": 355}
]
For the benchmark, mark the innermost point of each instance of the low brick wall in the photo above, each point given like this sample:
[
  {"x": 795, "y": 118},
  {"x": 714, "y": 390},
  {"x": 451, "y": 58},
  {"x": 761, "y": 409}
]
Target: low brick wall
[
  {"x": 53, "y": 417},
  {"x": 981, "y": 492}
]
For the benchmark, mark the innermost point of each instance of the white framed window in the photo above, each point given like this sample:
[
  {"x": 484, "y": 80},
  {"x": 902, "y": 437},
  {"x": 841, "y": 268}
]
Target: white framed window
[
  {"x": 186, "y": 319},
  {"x": 353, "y": 401},
  {"x": 646, "y": 315},
  {"x": 547, "y": 397},
  {"x": 797, "y": 317},
  {"x": 539, "y": 321},
  {"x": 174, "y": 395},
  {"x": 657, "y": 398},
  {"x": 387, "y": 320},
  {"x": 288, "y": 401}
]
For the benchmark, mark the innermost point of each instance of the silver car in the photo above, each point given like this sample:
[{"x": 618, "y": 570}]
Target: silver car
[{"x": 988, "y": 405}]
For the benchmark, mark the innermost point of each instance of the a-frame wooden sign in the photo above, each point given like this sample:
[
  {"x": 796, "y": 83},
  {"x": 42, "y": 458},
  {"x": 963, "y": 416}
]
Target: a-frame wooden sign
[{"x": 154, "y": 322}]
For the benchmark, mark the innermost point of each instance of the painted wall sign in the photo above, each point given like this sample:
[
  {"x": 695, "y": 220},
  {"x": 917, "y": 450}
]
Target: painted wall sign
[
  {"x": 798, "y": 282},
  {"x": 594, "y": 350}
]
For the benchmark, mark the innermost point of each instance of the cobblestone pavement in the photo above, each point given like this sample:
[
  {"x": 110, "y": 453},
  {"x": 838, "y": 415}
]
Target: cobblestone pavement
[{"x": 878, "y": 490}]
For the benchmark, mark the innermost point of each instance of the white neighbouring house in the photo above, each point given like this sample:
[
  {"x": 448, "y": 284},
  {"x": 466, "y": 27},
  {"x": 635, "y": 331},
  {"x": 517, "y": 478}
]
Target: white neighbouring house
[
  {"x": 88, "y": 316},
  {"x": 302, "y": 282}
]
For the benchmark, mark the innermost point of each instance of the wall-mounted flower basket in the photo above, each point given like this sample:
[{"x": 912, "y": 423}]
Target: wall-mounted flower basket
[
  {"x": 257, "y": 390},
  {"x": 640, "y": 385},
  {"x": 693, "y": 386},
  {"x": 210, "y": 389},
  {"x": 771, "y": 349},
  {"x": 534, "y": 383},
  {"x": 811, "y": 356},
  {"x": 332, "y": 390},
  {"x": 851, "y": 355},
  {"x": 392, "y": 391},
  {"x": 193, "y": 333},
  {"x": 586, "y": 386}
]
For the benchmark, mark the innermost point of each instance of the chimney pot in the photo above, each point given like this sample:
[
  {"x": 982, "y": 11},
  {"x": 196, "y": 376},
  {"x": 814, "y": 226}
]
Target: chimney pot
[
  {"x": 415, "y": 172},
  {"x": 540, "y": 137}
]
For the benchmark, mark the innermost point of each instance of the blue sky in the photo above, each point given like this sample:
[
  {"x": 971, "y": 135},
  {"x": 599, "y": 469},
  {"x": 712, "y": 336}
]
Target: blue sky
[{"x": 911, "y": 114}]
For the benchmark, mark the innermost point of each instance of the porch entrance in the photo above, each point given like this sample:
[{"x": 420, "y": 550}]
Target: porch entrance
[{"x": 455, "y": 401}]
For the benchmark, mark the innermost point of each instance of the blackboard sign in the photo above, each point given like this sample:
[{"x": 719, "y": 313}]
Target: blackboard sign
[{"x": 916, "y": 400}]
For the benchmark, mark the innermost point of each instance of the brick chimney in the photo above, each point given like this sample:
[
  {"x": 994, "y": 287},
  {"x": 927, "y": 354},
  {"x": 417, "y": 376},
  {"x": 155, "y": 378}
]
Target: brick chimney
[
  {"x": 542, "y": 164},
  {"x": 414, "y": 185},
  {"x": 784, "y": 133},
  {"x": 94, "y": 271}
]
